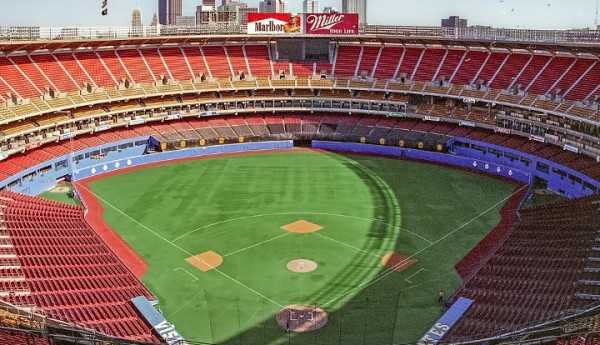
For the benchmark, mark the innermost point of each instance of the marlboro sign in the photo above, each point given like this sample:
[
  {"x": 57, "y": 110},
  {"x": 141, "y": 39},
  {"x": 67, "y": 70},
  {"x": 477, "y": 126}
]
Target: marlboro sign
[{"x": 274, "y": 23}]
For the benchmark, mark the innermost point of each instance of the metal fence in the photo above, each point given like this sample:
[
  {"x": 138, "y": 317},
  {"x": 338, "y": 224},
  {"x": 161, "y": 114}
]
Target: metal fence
[
  {"x": 489, "y": 33},
  {"x": 28, "y": 33}
]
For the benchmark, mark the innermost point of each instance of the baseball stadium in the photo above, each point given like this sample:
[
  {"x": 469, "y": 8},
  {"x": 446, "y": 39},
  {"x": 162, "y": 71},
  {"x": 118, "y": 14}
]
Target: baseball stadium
[{"x": 372, "y": 184}]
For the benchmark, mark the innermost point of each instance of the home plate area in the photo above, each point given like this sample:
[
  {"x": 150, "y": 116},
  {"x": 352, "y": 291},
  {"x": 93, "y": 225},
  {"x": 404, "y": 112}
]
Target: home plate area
[{"x": 301, "y": 318}]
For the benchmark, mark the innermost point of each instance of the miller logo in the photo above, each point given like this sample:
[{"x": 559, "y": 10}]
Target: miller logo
[{"x": 323, "y": 22}]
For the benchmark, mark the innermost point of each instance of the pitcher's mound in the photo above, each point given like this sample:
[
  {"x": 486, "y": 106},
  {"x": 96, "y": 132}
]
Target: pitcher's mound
[
  {"x": 302, "y": 266},
  {"x": 206, "y": 261},
  {"x": 397, "y": 262},
  {"x": 301, "y": 318}
]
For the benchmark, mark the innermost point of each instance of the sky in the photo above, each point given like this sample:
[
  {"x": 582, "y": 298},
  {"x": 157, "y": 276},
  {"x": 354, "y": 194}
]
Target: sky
[{"x": 528, "y": 14}]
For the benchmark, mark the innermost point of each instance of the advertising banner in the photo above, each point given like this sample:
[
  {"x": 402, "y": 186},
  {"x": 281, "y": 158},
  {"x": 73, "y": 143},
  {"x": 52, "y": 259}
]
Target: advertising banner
[
  {"x": 537, "y": 138},
  {"x": 157, "y": 321},
  {"x": 332, "y": 24},
  {"x": 102, "y": 128},
  {"x": 66, "y": 136},
  {"x": 439, "y": 330},
  {"x": 503, "y": 130},
  {"x": 33, "y": 145},
  {"x": 432, "y": 118},
  {"x": 274, "y": 23},
  {"x": 571, "y": 148}
]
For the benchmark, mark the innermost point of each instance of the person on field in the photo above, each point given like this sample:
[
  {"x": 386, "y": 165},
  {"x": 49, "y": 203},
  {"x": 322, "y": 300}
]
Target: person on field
[{"x": 440, "y": 296}]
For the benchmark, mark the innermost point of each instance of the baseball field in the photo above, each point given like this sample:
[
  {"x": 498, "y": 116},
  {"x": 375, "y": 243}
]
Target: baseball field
[{"x": 301, "y": 247}]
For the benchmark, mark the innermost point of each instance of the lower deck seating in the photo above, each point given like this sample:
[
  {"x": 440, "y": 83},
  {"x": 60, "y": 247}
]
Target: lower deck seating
[
  {"x": 537, "y": 273},
  {"x": 70, "y": 273},
  {"x": 18, "y": 337}
]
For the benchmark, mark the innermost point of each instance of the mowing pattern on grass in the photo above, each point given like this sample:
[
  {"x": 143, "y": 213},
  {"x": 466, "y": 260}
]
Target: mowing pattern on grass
[{"x": 363, "y": 208}]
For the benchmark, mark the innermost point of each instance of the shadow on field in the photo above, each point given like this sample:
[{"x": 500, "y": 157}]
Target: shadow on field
[{"x": 365, "y": 314}]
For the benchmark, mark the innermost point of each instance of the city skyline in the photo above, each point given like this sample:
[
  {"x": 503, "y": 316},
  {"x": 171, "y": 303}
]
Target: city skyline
[
  {"x": 169, "y": 10},
  {"x": 356, "y": 6},
  {"x": 274, "y": 6},
  {"x": 551, "y": 14},
  {"x": 311, "y": 6}
]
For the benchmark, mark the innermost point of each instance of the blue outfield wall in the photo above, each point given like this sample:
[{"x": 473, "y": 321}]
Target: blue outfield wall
[
  {"x": 103, "y": 167},
  {"x": 44, "y": 176},
  {"x": 465, "y": 153},
  {"x": 561, "y": 179},
  {"x": 110, "y": 157},
  {"x": 443, "y": 158},
  {"x": 488, "y": 158}
]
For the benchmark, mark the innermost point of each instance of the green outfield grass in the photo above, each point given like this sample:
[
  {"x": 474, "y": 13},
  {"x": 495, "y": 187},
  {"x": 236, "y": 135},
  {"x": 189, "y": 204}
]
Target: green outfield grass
[{"x": 367, "y": 206}]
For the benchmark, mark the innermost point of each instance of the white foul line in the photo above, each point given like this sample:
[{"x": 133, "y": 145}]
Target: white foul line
[
  {"x": 414, "y": 274},
  {"x": 392, "y": 269},
  {"x": 181, "y": 249},
  {"x": 183, "y": 269}
]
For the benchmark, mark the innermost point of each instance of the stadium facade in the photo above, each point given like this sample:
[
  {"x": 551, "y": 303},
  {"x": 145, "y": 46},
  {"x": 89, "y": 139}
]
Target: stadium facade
[{"x": 521, "y": 106}]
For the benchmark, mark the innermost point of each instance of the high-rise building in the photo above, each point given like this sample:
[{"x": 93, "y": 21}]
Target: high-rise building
[
  {"x": 330, "y": 9},
  {"x": 356, "y": 6},
  {"x": 168, "y": 11},
  {"x": 454, "y": 22},
  {"x": 186, "y": 21},
  {"x": 154, "y": 21},
  {"x": 311, "y": 6},
  {"x": 136, "y": 18},
  {"x": 209, "y": 3},
  {"x": 137, "y": 28},
  {"x": 240, "y": 8},
  {"x": 273, "y": 6},
  {"x": 243, "y": 14}
]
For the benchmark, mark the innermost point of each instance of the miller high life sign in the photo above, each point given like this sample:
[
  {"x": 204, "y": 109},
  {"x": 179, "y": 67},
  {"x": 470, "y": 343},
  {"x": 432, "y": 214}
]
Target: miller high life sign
[
  {"x": 332, "y": 24},
  {"x": 274, "y": 23}
]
